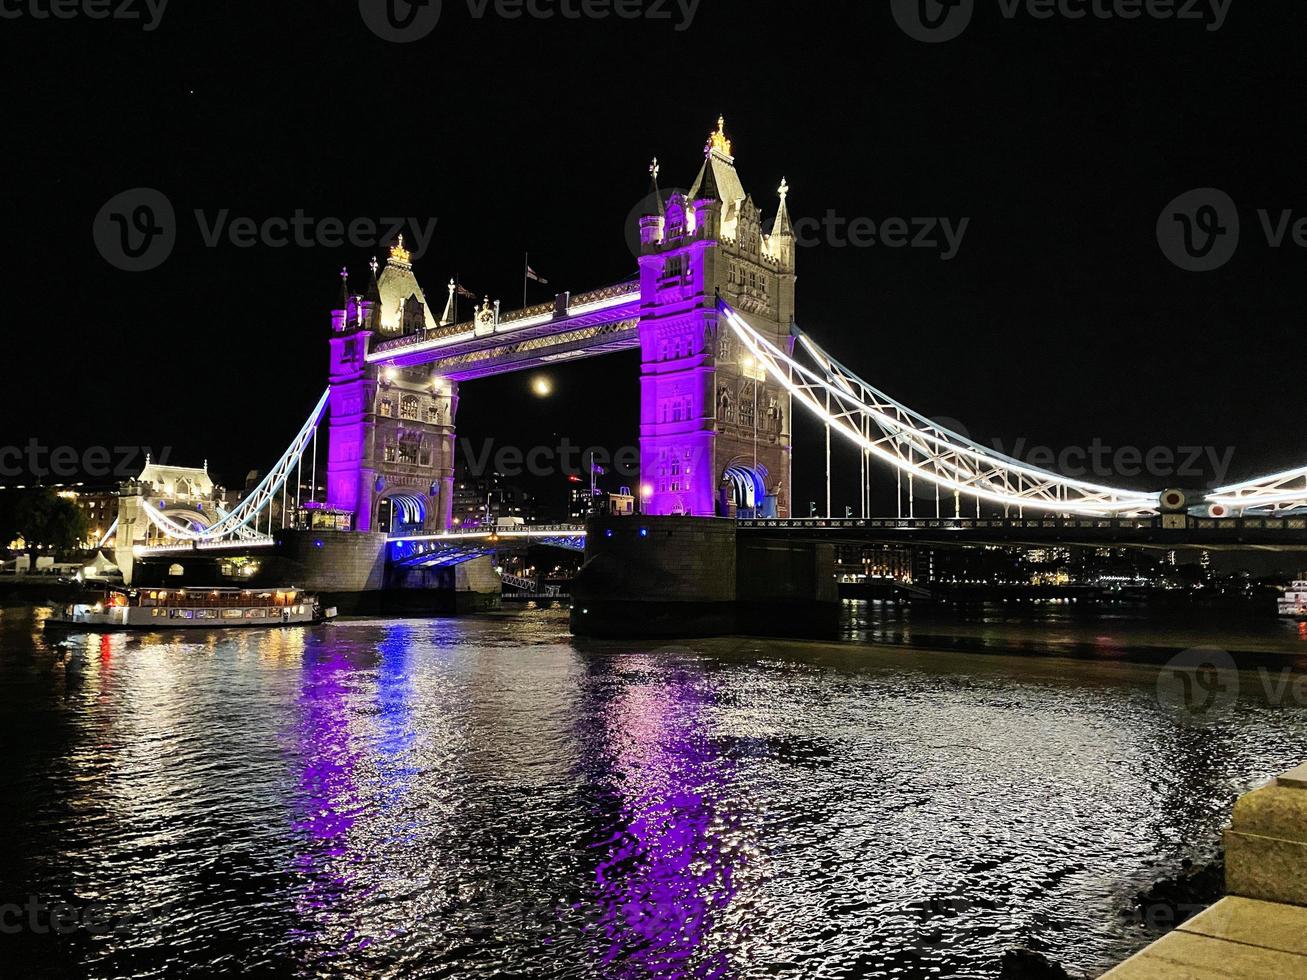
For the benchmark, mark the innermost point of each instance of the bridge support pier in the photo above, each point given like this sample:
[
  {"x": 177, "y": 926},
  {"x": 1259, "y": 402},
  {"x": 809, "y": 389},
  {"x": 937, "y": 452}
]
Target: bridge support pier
[{"x": 669, "y": 577}]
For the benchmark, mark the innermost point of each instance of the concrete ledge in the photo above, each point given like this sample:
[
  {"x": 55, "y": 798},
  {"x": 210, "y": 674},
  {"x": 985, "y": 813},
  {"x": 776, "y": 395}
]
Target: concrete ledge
[
  {"x": 1297, "y": 779},
  {"x": 1236, "y": 939},
  {"x": 1266, "y": 845},
  {"x": 1260, "y": 931}
]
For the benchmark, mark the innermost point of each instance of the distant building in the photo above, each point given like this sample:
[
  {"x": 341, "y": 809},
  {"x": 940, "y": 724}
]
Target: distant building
[
  {"x": 99, "y": 505},
  {"x": 478, "y": 501}
]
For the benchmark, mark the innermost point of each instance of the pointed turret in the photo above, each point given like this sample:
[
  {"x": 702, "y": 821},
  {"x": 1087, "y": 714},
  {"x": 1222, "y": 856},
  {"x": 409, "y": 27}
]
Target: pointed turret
[
  {"x": 340, "y": 310},
  {"x": 780, "y": 243},
  {"x": 399, "y": 295},
  {"x": 654, "y": 192},
  {"x": 717, "y": 180},
  {"x": 447, "y": 317},
  {"x": 654, "y": 223},
  {"x": 782, "y": 226},
  {"x": 374, "y": 290},
  {"x": 372, "y": 299}
]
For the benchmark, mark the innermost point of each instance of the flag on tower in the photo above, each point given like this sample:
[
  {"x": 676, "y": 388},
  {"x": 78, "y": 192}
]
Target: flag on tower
[
  {"x": 466, "y": 293},
  {"x": 532, "y": 274}
]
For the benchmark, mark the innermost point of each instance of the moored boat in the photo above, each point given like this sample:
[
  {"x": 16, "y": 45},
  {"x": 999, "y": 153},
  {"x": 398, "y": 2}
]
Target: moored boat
[
  {"x": 153, "y": 609},
  {"x": 1294, "y": 601}
]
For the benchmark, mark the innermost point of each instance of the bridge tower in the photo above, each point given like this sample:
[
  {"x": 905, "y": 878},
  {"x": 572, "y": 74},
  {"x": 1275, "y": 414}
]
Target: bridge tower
[
  {"x": 391, "y": 429},
  {"x": 714, "y": 429}
]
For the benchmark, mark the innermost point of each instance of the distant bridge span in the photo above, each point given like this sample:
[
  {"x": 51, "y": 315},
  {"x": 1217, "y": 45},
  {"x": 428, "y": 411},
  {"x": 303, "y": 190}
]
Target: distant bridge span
[{"x": 1281, "y": 534}]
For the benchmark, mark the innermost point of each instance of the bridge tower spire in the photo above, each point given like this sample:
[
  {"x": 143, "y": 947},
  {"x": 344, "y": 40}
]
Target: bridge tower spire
[
  {"x": 391, "y": 429},
  {"x": 714, "y": 429}
]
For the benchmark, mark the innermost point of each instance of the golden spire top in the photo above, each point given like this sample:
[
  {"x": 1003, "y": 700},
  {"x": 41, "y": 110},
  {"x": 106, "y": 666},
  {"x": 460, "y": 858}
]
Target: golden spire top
[
  {"x": 717, "y": 140},
  {"x": 398, "y": 253}
]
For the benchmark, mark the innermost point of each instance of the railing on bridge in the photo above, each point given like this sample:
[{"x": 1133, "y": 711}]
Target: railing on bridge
[
  {"x": 580, "y": 305},
  {"x": 500, "y": 532},
  {"x": 530, "y": 588},
  {"x": 185, "y": 547},
  {"x": 1232, "y": 524}
]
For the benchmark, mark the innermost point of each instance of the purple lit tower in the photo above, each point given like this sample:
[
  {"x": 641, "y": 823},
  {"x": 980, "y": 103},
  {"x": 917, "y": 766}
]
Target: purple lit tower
[
  {"x": 714, "y": 430},
  {"x": 391, "y": 430}
]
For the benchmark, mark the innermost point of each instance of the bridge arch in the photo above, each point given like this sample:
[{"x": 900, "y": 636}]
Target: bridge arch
[
  {"x": 746, "y": 487},
  {"x": 401, "y": 513}
]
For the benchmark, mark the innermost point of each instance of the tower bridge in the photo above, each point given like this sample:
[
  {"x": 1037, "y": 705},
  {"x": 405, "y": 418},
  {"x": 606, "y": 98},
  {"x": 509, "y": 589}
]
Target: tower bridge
[{"x": 711, "y": 308}]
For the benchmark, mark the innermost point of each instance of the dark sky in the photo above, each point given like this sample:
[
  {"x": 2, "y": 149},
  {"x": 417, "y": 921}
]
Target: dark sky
[{"x": 1059, "y": 322}]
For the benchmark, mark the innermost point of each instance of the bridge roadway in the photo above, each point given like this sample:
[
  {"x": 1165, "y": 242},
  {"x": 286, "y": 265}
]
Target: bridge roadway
[
  {"x": 1283, "y": 534},
  {"x": 1232, "y": 534}
]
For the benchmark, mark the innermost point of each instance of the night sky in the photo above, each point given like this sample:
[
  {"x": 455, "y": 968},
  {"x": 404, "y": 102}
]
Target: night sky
[{"x": 1059, "y": 322}]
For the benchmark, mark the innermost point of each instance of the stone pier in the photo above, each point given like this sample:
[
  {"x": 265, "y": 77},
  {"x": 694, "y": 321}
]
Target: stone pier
[{"x": 687, "y": 576}]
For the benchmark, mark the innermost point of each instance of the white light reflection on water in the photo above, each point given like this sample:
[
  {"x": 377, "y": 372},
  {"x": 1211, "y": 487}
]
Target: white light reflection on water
[{"x": 487, "y": 797}]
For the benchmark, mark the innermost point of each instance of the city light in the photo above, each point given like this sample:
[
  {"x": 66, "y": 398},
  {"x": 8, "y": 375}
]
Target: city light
[{"x": 542, "y": 386}]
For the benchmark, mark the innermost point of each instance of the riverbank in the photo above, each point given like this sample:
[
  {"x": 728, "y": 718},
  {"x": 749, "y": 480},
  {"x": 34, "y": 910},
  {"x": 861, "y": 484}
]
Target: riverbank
[{"x": 1258, "y": 932}]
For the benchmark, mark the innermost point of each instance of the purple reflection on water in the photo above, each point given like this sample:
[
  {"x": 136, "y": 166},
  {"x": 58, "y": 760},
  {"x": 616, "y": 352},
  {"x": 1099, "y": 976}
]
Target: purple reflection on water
[
  {"x": 670, "y": 872},
  {"x": 328, "y": 795}
]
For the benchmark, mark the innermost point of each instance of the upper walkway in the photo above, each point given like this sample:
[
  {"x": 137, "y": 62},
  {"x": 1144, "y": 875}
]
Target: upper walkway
[{"x": 569, "y": 328}]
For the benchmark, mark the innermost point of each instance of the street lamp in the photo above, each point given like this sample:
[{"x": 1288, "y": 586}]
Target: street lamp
[{"x": 646, "y": 494}]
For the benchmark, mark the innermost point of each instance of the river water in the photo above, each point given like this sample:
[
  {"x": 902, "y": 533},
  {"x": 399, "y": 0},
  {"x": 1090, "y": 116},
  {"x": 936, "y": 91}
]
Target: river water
[{"x": 489, "y": 797}]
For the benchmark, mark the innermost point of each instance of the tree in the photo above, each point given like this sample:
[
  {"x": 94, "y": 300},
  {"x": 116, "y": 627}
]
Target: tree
[{"x": 45, "y": 519}]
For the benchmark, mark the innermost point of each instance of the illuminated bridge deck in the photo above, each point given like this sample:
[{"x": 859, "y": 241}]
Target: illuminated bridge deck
[
  {"x": 1245, "y": 533},
  {"x": 572, "y": 327}
]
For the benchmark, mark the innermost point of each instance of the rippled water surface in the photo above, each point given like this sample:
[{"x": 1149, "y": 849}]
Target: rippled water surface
[{"x": 489, "y": 797}]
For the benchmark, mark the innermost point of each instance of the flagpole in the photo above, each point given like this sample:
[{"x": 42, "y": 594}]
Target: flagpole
[{"x": 526, "y": 275}]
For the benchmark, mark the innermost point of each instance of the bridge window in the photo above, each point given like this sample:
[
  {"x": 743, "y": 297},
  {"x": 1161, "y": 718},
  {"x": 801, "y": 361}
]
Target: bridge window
[
  {"x": 387, "y": 408},
  {"x": 391, "y": 454},
  {"x": 409, "y": 408},
  {"x": 434, "y": 415},
  {"x": 746, "y": 408},
  {"x": 408, "y": 453},
  {"x": 414, "y": 315}
]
